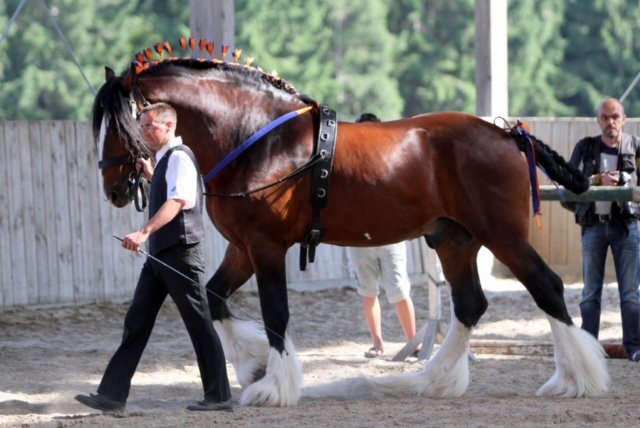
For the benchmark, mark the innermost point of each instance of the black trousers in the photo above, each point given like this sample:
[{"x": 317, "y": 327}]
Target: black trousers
[{"x": 155, "y": 282}]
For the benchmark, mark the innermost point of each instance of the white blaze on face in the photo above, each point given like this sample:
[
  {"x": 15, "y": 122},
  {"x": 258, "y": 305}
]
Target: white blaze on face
[{"x": 102, "y": 135}]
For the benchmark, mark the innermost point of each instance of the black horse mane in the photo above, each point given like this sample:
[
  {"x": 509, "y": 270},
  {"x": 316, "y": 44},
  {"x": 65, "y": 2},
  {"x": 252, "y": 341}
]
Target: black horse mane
[{"x": 110, "y": 100}]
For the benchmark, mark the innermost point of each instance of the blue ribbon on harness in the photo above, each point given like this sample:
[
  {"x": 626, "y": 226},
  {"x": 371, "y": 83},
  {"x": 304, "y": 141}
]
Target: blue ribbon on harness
[
  {"x": 252, "y": 140},
  {"x": 533, "y": 177}
]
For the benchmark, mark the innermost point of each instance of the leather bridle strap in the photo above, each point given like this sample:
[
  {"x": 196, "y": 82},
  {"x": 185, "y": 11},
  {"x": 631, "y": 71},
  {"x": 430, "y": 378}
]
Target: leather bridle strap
[{"x": 121, "y": 160}]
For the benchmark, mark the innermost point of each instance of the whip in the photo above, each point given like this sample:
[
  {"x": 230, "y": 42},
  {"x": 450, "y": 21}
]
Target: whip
[{"x": 174, "y": 270}]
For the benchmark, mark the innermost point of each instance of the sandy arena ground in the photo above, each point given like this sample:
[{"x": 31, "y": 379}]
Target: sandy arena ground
[{"x": 48, "y": 355}]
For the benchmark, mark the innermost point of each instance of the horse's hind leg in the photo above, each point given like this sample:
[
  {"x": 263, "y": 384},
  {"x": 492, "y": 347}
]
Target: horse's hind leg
[
  {"x": 447, "y": 373},
  {"x": 580, "y": 365},
  {"x": 243, "y": 340},
  {"x": 282, "y": 380}
]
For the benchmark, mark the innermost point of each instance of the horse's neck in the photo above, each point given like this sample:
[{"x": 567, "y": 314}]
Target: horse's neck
[{"x": 214, "y": 118}]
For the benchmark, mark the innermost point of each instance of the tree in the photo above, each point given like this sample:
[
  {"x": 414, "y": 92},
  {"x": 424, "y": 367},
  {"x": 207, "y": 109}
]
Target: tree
[
  {"x": 603, "y": 54},
  {"x": 40, "y": 79},
  {"x": 536, "y": 53},
  {"x": 328, "y": 52},
  {"x": 435, "y": 64}
]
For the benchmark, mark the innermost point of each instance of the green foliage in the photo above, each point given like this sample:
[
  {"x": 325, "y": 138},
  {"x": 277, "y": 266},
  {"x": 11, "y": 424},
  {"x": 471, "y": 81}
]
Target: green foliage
[
  {"x": 339, "y": 53},
  {"x": 535, "y": 58},
  {"x": 40, "y": 79},
  {"x": 395, "y": 59},
  {"x": 435, "y": 62}
]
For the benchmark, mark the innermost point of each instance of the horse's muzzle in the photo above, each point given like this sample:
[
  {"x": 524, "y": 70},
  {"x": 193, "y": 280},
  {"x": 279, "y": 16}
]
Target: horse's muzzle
[{"x": 118, "y": 198}]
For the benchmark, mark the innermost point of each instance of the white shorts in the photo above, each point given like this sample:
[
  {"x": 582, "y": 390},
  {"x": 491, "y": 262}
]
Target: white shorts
[{"x": 386, "y": 266}]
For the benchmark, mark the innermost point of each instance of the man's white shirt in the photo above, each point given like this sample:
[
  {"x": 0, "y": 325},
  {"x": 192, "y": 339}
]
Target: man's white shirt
[{"x": 181, "y": 176}]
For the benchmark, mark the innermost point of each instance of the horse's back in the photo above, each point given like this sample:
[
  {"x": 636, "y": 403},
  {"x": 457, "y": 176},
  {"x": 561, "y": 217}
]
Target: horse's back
[{"x": 397, "y": 177}]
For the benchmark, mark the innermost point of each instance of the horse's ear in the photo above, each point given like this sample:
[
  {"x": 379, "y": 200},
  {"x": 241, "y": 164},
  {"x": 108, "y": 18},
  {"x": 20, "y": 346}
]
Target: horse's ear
[
  {"x": 129, "y": 79},
  {"x": 109, "y": 74}
]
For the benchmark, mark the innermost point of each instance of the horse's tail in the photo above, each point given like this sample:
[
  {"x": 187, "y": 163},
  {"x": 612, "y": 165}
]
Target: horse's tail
[{"x": 554, "y": 165}]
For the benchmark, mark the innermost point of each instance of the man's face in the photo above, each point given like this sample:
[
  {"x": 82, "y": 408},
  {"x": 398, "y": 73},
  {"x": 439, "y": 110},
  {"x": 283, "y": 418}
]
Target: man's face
[
  {"x": 155, "y": 132},
  {"x": 611, "y": 119}
]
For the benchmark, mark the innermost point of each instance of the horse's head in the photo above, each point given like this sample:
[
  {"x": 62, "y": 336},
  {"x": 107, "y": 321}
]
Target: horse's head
[{"x": 116, "y": 131}]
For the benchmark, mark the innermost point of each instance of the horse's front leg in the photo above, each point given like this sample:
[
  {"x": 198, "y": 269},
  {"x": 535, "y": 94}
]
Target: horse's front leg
[
  {"x": 282, "y": 381},
  {"x": 243, "y": 340}
]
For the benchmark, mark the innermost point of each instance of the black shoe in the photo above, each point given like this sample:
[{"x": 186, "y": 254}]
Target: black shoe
[
  {"x": 635, "y": 357},
  {"x": 212, "y": 406},
  {"x": 101, "y": 402}
]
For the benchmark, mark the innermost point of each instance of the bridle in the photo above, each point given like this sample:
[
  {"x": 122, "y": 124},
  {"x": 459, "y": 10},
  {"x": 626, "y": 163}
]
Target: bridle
[{"x": 137, "y": 185}]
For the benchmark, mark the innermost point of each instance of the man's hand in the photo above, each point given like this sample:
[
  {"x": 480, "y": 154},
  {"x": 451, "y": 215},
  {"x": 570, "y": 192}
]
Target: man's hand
[
  {"x": 134, "y": 240},
  {"x": 146, "y": 166},
  {"x": 610, "y": 178}
]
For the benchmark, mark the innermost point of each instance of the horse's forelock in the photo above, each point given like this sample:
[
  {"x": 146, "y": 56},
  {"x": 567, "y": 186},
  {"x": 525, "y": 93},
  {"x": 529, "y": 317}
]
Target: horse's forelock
[{"x": 111, "y": 102}]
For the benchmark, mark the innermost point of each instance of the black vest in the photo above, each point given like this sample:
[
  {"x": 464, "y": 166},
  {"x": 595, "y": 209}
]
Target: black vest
[
  {"x": 186, "y": 227},
  {"x": 628, "y": 157}
]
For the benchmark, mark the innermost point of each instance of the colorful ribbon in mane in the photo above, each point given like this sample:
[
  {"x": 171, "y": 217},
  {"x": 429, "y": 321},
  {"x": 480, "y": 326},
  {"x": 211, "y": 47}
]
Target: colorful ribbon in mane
[{"x": 530, "y": 154}]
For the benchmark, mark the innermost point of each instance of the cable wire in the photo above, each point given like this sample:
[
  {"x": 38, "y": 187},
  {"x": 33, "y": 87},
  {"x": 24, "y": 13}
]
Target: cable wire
[
  {"x": 64, "y": 39},
  {"x": 15, "y": 15}
]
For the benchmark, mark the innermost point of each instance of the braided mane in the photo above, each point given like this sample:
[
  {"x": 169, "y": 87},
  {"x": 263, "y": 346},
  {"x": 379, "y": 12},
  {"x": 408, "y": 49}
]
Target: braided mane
[{"x": 149, "y": 59}]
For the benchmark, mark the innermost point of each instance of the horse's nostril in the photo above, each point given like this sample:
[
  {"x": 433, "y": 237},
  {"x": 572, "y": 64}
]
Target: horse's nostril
[{"x": 113, "y": 197}]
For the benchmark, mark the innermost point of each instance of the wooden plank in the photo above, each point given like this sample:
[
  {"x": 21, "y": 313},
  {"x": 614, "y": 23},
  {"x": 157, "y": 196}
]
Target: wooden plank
[
  {"x": 30, "y": 292},
  {"x": 49, "y": 286},
  {"x": 88, "y": 285},
  {"x": 6, "y": 268},
  {"x": 61, "y": 211},
  {"x": 106, "y": 257},
  {"x": 511, "y": 347},
  {"x": 74, "y": 178},
  {"x": 558, "y": 244},
  {"x": 41, "y": 207},
  {"x": 16, "y": 217}
]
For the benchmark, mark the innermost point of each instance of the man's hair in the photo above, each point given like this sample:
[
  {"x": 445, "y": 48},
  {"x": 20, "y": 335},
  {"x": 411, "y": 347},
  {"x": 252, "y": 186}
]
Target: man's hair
[
  {"x": 610, "y": 100},
  {"x": 164, "y": 112},
  {"x": 368, "y": 117}
]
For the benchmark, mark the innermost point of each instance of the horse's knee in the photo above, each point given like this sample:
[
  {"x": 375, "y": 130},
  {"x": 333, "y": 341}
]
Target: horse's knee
[{"x": 469, "y": 307}]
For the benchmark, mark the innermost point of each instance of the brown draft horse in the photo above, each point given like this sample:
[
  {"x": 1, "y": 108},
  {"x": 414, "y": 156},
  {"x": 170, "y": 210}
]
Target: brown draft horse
[{"x": 452, "y": 178}]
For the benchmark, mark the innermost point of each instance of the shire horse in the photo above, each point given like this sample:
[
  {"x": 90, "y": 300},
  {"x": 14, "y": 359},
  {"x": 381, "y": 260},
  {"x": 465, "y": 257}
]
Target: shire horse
[{"x": 454, "y": 179}]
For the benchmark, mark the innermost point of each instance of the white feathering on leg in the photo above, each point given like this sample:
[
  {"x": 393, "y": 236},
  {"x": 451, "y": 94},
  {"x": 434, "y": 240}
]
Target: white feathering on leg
[
  {"x": 581, "y": 368},
  {"x": 282, "y": 382},
  {"x": 245, "y": 346}
]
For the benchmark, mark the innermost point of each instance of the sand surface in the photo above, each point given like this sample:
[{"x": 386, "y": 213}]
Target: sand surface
[{"x": 48, "y": 355}]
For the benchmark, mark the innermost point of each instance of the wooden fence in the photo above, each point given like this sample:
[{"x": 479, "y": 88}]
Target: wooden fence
[{"x": 56, "y": 227}]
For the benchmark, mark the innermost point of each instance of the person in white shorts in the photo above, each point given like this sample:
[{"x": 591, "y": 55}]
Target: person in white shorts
[{"x": 384, "y": 266}]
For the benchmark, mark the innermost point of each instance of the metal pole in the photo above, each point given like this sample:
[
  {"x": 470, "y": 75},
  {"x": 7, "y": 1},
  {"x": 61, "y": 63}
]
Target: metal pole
[
  {"x": 596, "y": 193},
  {"x": 631, "y": 86}
]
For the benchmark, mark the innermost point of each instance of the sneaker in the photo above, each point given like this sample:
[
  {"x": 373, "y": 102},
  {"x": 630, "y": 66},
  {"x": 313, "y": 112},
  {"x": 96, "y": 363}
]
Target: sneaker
[{"x": 635, "y": 357}]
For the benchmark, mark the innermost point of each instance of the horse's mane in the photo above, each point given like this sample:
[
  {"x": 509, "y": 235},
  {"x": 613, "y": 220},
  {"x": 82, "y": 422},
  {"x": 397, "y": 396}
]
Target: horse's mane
[
  {"x": 110, "y": 100},
  {"x": 150, "y": 60}
]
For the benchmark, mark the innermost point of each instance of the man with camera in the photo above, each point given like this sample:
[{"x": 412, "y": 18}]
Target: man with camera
[{"x": 610, "y": 159}]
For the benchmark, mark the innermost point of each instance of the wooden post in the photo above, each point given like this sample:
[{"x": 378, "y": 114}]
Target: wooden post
[
  {"x": 492, "y": 77},
  {"x": 213, "y": 20}
]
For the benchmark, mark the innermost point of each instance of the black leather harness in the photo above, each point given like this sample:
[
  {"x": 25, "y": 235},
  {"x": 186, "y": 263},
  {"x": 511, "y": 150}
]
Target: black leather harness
[{"x": 320, "y": 179}]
